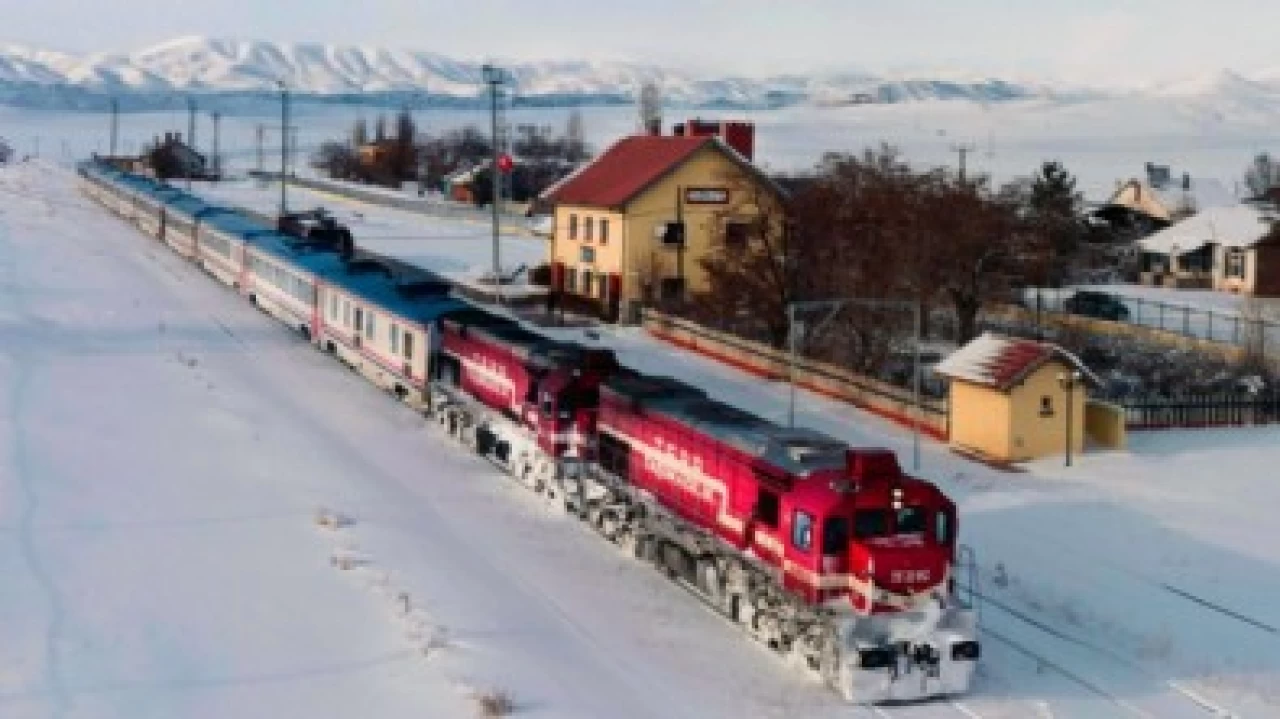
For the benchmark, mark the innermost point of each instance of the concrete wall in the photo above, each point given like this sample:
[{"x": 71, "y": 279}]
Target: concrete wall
[
  {"x": 1105, "y": 424},
  {"x": 891, "y": 402}
]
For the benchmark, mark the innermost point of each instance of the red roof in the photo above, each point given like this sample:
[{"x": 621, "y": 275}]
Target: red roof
[
  {"x": 625, "y": 170},
  {"x": 1003, "y": 362}
]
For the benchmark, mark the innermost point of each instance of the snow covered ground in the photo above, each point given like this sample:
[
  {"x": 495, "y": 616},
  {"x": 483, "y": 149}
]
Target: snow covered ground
[
  {"x": 1123, "y": 568},
  {"x": 163, "y": 452}
]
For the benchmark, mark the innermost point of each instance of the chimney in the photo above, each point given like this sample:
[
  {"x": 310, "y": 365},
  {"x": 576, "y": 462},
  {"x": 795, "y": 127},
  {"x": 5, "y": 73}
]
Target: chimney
[{"x": 741, "y": 136}]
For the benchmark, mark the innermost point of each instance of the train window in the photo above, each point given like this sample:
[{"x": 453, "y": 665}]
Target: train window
[
  {"x": 333, "y": 307},
  {"x": 835, "y": 536},
  {"x": 869, "y": 523},
  {"x": 911, "y": 520},
  {"x": 346, "y": 313},
  {"x": 766, "y": 510},
  {"x": 368, "y": 326},
  {"x": 801, "y": 531},
  {"x": 408, "y": 345},
  {"x": 942, "y": 528},
  {"x": 395, "y": 338}
]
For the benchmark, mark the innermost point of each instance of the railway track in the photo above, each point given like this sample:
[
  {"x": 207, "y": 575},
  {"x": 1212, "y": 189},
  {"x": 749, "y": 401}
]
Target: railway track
[{"x": 1099, "y": 670}]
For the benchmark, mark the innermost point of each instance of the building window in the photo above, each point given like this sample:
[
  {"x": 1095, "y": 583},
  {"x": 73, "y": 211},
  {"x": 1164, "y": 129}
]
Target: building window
[
  {"x": 587, "y": 278},
  {"x": 801, "y": 531},
  {"x": 588, "y": 225},
  {"x": 1235, "y": 263},
  {"x": 1046, "y": 406},
  {"x": 604, "y": 231},
  {"x": 571, "y": 280},
  {"x": 573, "y": 227},
  {"x": 735, "y": 235},
  {"x": 588, "y": 254},
  {"x": 672, "y": 288},
  {"x": 395, "y": 338}
]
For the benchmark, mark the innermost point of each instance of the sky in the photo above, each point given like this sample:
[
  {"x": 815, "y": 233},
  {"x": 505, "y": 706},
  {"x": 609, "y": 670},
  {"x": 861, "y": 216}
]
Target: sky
[{"x": 1095, "y": 41}]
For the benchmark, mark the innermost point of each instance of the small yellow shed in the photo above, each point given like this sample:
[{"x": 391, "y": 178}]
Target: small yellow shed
[{"x": 1014, "y": 399}]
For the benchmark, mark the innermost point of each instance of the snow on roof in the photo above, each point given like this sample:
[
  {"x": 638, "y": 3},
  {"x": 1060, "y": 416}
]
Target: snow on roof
[
  {"x": 1166, "y": 201},
  {"x": 1235, "y": 226},
  {"x": 1001, "y": 362}
]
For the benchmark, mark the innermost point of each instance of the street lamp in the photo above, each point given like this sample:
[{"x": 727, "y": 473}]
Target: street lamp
[
  {"x": 833, "y": 306},
  {"x": 1068, "y": 381}
]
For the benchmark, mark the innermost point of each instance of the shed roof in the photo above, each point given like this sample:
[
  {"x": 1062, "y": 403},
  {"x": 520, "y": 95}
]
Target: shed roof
[{"x": 1001, "y": 362}]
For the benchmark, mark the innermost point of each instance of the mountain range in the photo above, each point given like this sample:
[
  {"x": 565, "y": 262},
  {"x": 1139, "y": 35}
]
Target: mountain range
[{"x": 245, "y": 70}]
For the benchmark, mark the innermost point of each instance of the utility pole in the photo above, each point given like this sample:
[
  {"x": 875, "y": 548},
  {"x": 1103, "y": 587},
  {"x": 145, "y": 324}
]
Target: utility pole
[
  {"x": 115, "y": 124},
  {"x": 963, "y": 151},
  {"x": 191, "y": 133},
  {"x": 494, "y": 77},
  {"x": 284, "y": 145},
  {"x": 217, "y": 162}
]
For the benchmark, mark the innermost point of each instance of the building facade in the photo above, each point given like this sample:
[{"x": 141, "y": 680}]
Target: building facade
[{"x": 633, "y": 226}]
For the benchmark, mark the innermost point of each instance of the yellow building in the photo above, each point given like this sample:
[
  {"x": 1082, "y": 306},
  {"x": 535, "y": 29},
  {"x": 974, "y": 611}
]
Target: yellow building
[
  {"x": 633, "y": 225},
  {"x": 1014, "y": 399}
]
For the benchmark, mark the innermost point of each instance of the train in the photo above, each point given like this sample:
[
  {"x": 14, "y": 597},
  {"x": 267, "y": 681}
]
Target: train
[{"x": 830, "y": 555}]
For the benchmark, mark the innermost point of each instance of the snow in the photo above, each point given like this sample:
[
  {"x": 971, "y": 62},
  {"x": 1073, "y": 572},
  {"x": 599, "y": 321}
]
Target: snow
[
  {"x": 1233, "y": 226},
  {"x": 164, "y": 449},
  {"x": 156, "y": 427},
  {"x": 1112, "y": 570}
]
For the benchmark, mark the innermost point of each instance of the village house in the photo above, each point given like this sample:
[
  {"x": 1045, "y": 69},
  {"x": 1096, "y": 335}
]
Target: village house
[
  {"x": 1230, "y": 249},
  {"x": 1160, "y": 199},
  {"x": 633, "y": 225}
]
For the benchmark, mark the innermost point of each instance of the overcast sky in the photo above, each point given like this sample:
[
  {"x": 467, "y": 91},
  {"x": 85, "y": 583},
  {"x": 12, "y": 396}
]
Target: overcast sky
[{"x": 1088, "y": 40}]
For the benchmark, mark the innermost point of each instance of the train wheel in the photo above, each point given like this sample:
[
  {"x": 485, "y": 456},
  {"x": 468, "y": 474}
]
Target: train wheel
[{"x": 710, "y": 583}]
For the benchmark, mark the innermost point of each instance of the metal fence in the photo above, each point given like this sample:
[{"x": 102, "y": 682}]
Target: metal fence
[
  {"x": 1231, "y": 328},
  {"x": 1202, "y": 411}
]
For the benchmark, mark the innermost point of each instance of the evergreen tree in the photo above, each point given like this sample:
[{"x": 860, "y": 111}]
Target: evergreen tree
[{"x": 1054, "y": 211}]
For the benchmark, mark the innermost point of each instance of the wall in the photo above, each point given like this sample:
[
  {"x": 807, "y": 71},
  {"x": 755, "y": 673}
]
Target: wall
[
  {"x": 647, "y": 258},
  {"x": 980, "y": 419},
  {"x": 1231, "y": 353},
  {"x": 1036, "y": 434},
  {"x": 894, "y": 403},
  {"x": 1104, "y": 423},
  {"x": 608, "y": 254}
]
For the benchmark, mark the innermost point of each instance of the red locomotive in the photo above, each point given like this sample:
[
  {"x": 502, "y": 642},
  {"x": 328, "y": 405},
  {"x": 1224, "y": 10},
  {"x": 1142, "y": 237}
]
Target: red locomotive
[{"x": 819, "y": 550}]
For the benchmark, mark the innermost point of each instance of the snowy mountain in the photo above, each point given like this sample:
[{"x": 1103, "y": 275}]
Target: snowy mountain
[
  {"x": 202, "y": 65},
  {"x": 246, "y": 69}
]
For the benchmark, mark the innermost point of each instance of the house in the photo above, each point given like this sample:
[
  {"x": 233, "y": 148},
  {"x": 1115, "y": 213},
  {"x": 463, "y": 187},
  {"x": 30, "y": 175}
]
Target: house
[
  {"x": 1160, "y": 200},
  {"x": 1231, "y": 249},
  {"x": 1014, "y": 399},
  {"x": 633, "y": 225}
]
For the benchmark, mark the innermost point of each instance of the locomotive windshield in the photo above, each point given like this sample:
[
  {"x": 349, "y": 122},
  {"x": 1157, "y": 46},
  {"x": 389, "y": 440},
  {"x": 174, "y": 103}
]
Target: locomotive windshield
[{"x": 871, "y": 523}]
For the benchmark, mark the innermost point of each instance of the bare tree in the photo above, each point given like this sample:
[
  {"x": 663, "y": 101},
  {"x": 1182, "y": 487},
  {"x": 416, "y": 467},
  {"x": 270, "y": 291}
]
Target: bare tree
[{"x": 649, "y": 105}]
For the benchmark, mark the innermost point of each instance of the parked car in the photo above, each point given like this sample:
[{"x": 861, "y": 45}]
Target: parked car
[{"x": 1101, "y": 305}]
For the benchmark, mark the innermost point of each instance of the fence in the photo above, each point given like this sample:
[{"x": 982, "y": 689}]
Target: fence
[
  {"x": 1202, "y": 411},
  {"x": 892, "y": 402},
  {"x": 1256, "y": 334}
]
